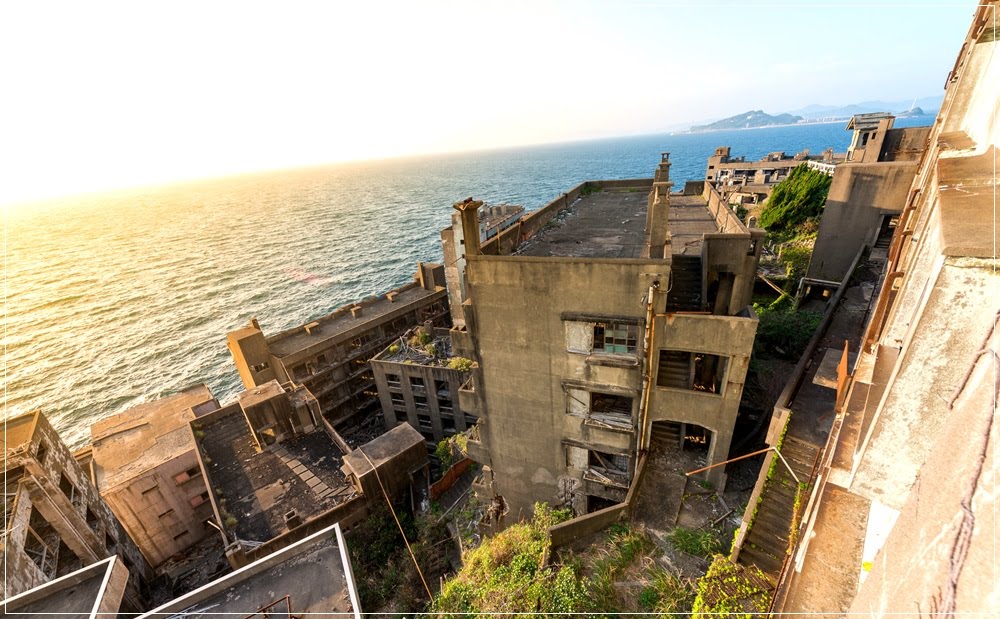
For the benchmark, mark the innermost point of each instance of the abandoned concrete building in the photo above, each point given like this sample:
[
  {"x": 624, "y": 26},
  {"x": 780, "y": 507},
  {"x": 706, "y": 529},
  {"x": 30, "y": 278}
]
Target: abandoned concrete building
[
  {"x": 330, "y": 355},
  {"x": 419, "y": 384},
  {"x": 91, "y": 592},
  {"x": 311, "y": 577},
  {"x": 613, "y": 318},
  {"x": 146, "y": 470},
  {"x": 276, "y": 470},
  {"x": 750, "y": 182},
  {"x": 904, "y": 490},
  {"x": 867, "y": 193},
  {"x": 54, "y": 519},
  {"x": 895, "y": 496}
]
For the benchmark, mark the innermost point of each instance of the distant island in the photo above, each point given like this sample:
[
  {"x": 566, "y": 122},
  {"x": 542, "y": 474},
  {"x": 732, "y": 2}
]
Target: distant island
[{"x": 748, "y": 120}]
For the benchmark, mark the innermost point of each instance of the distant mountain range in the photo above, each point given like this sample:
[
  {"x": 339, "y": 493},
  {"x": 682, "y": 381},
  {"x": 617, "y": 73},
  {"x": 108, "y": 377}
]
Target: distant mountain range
[
  {"x": 928, "y": 105},
  {"x": 818, "y": 113},
  {"x": 749, "y": 120}
]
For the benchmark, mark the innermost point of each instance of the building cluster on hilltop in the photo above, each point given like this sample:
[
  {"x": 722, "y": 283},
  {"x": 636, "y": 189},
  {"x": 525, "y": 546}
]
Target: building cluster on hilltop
[{"x": 571, "y": 345}]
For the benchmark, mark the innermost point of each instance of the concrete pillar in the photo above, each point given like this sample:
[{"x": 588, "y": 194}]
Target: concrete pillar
[{"x": 469, "y": 211}]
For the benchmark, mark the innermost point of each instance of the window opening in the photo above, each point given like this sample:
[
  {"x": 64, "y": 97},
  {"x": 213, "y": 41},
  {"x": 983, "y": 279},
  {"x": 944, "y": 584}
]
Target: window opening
[{"x": 615, "y": 338}]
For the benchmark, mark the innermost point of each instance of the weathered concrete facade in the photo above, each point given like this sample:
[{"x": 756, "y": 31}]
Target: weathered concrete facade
[
  {"x": 568, "y": 316},
  {"x": 146, "y": 470},
  {"x": 330, "y": 355},
  {"x": 750, "y": 182},
  {"x": 905, "y": 489},
  {"x": 418, "y": 387},
  {"x": 867, "y": 194},
  {"x": 55, "y": 521}
]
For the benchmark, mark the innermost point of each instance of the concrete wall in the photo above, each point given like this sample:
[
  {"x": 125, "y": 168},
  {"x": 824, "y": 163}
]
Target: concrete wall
[
  {"x": 436, "y": 412},
  {"x": 165, "y": 508},
  {"x": 527, "y": 364},
  {"x": 860, "y": 194},
  {"x": 84, "y": 523},
  {"x": 727, "y": 336}
]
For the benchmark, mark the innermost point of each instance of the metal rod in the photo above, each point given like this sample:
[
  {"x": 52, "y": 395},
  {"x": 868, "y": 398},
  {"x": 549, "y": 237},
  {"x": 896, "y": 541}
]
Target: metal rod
[{"x": 749, "y": 455}]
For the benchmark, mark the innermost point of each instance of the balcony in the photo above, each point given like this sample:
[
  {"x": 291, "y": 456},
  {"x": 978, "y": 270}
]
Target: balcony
[
  {"x": 468, "y": 403},
  {"x": 476, "y": 450}
]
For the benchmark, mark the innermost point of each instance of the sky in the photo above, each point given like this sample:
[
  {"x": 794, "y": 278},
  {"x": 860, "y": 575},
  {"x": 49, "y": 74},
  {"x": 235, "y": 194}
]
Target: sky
[{"x": 104, "y": 95}]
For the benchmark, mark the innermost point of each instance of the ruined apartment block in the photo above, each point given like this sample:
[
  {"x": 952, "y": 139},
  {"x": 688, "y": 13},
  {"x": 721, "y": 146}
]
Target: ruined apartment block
[
  {"x": 54, "y": 519},
  {"x": 330, "y": 355},
  {"x": 276, "y": 471},
  {"x": 612, "y": 321},
  {"x": 750, "y": 182},
  {"x": 867, "y": 193},
  {"x": 146, "y": 470},
  {"x": 417, "y": 386}
]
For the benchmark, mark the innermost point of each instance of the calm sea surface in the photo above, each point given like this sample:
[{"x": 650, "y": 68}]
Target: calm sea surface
[{"x": 116, "y": 299}]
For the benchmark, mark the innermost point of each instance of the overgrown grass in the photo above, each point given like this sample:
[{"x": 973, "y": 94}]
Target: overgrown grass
[
  {"x": 695, "y": 542},
  {"x": 668, "y": 594},
  {"x": 796, "y": 199},
  {"x": 509, "y": 573}
]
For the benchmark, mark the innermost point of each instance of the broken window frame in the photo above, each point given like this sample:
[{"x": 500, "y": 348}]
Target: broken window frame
[
  {"x": 714, "y": 387},
  {"x": 624, "y": 338},
  {"x": 610, "y": 469}
]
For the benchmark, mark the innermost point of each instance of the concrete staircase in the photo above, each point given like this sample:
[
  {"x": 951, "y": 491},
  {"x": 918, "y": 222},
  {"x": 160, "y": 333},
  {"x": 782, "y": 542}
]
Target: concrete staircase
[
  {"x": 665, "y": 434},
  {"x": 685, "y": 284},
  {"x": 767, "y": 542},
  {"x": 674, "y": 369}
]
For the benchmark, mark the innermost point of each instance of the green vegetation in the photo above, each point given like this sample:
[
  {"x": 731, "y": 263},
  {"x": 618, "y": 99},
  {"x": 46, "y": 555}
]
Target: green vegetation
[
  {"x": 694, "y": 542},
  {"x": 383, "y": 568},
  {"x": 451, "y": 449},
  {"x": 589, "y": 189},
  {"x": 421, "y": 337},
  {"x": 668, "y": 594},
  {"x": 731, "y": 590},
  {"x": 516, "y": 572},
  {"x": 510, "y": 573},
  {"x": 783, "y": 332},
  {"x": 460, "y": 364},
  {"x": 796, "y": 199}
]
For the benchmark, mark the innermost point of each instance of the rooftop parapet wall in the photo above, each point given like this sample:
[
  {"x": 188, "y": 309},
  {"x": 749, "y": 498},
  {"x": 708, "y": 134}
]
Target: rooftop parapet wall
[
  {"x": 508, "y": 241},
  {"x": 724, "y": 216}
]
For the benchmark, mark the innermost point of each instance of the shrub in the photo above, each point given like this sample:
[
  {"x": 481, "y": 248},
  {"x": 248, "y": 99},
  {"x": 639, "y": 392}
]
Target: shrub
[
  {"x": 508, "y": 573},
  {"x": 460, "y": 364},
  {"x": 795, "y": 199}
]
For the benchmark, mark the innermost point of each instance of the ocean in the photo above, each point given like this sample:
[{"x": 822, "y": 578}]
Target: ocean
[{"x": 120, "y": 298}]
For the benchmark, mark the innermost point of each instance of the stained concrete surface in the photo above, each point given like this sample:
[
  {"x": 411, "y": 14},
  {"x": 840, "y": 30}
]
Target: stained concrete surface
[
  {"x": 689, "y": 220},
  {"x": 605, "y": 224},
  {"x": 829, "y": 578}
]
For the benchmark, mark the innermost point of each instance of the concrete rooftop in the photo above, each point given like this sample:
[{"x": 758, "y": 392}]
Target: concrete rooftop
[
  {"x": 333, "y": 325},
  {"x": 18, "y": 431},
  {"x": 605, "y": 224},
  {"x": 689, "y": 220},
  {"x": 147, "y": 435},
  {"x": 258, "y": 488},
  {"x": 611, "y": 224},
  {"x": 77, "y": 595},
  {"x": 311, "y": 577}
]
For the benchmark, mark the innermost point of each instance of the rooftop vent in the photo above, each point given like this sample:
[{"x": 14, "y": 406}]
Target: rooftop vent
[{"x": 356, "y": 310}]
